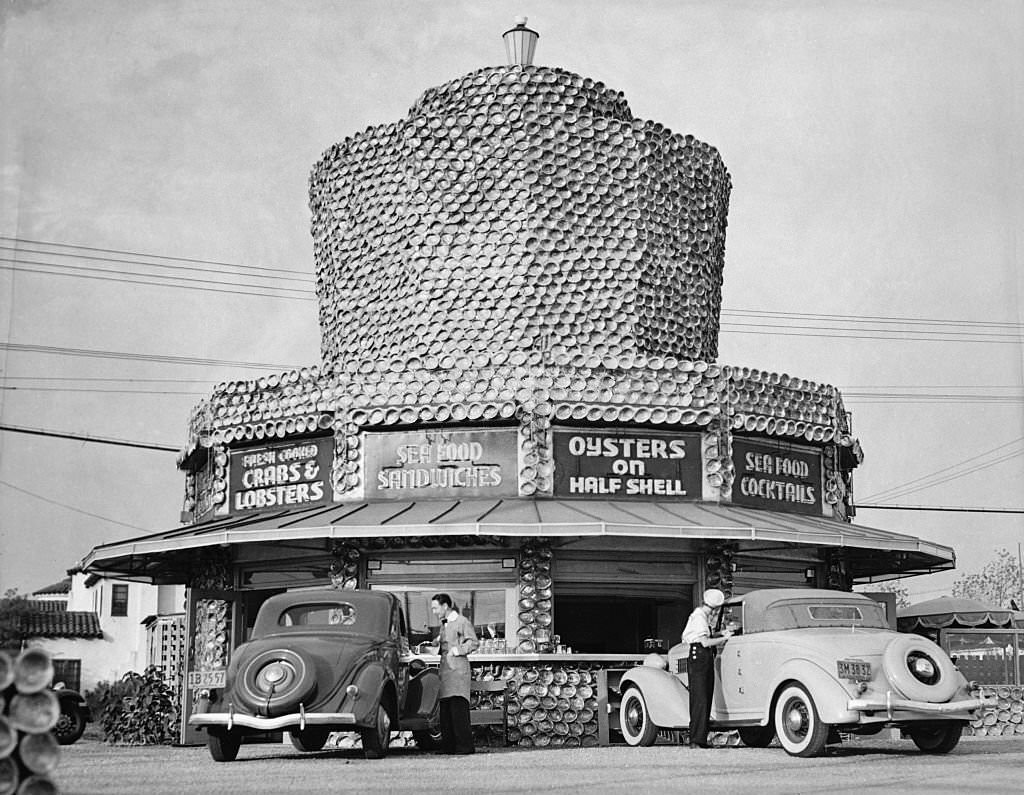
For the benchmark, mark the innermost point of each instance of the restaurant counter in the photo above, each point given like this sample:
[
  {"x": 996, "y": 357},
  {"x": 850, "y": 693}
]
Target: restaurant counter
[{"x": 566, "y": 700}]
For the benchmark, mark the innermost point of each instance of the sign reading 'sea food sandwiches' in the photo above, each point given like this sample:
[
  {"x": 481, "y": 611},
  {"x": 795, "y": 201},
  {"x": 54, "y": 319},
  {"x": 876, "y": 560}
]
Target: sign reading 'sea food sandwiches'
[
  {"x": 441, "y": 463},
  {"x": 776, "y": 476},
  {"x": 281, "y": 476},
  {"x": 614, "y": 464}
]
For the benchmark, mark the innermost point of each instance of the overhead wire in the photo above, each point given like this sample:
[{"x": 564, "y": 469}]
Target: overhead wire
[{"x": 71, "y": 507}]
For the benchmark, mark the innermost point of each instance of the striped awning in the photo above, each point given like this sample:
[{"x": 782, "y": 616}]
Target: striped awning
[{"x": 528, "y": 517}]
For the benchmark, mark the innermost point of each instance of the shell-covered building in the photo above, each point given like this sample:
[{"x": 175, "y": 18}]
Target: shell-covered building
[{"x": 518, "y": 397}]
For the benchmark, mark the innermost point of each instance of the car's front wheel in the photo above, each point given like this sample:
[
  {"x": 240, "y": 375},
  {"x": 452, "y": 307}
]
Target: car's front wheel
[
  {"x": 937, "y": 739},
  {"x": 223, "y": 745},
  {"x": 799, "y": 728},
  {"x": 757, "y": 736},
  {"x": 635, "y": 720},
  {"x": 377, "y": 738},
  {"x": 310, "y": 739}
]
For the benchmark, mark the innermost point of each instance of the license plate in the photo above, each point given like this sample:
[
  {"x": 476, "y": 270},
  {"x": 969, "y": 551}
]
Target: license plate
[
  {"x": 206, "y": 679},
  {"x": 854, "y": 670}
]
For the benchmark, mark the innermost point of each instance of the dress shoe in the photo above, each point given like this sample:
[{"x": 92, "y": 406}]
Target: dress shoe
[{"x": 699, "y": 745}]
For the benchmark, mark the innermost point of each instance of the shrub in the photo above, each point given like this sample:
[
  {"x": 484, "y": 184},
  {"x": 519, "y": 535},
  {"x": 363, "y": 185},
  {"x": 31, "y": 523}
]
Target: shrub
[{"x": 138, "y": 710}]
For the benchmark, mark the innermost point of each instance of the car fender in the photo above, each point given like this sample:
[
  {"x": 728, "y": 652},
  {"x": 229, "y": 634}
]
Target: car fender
[
  {"x": 668, "y": 700},
  {"x": 830, "y": 697},
  {"x": 372, "y": 682}
]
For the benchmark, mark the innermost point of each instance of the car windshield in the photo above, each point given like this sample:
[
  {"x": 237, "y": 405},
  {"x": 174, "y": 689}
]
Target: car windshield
[{"x": 318, "y": 615}]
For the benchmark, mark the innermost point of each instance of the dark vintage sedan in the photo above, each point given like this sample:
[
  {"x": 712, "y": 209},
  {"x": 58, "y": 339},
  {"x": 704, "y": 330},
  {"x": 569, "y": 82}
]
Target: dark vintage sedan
[{"x": 324, "y": 661}]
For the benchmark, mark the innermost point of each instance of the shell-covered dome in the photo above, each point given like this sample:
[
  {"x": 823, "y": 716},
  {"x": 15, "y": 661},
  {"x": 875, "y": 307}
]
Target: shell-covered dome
[{"x": 516, "y": 208}]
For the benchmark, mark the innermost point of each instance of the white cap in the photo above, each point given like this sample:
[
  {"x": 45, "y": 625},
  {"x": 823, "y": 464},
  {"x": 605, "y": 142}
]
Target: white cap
[{"x": 714, "y": 598}]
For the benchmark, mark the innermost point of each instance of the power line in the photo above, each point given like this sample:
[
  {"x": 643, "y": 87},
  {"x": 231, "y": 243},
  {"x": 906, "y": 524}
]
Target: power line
[
  {"x": 98, "y": 391},
  {"x": 138, "y": 254},
  {"x": 925, "y": 480},
  {"x": 144, "y": 357},
  {"x": 938, "y": 508},
  {"x": 71, "y": 507},
  {"x": 302, "y": 276},
  {"x": 83, "y": 438}
]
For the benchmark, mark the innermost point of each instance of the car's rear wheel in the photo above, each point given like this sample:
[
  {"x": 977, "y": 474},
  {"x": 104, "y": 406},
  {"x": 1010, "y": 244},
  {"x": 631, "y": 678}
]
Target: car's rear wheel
[
  {"x": 757, "y": 736},
  {"x": 920, "y": 669},
  {"x": 310, "y": 739},
  {"x": 635, "y": 720},
  {"x": 799, "y": 727},
  {"x": 937, "y": 739},
  {"x": 223, "y": 745},
  {"x": 377, "y": 738}
]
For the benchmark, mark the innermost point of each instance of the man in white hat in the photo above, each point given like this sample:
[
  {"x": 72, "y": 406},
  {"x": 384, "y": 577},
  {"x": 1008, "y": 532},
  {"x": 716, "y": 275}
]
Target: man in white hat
[{"x": 700, "y": 664}]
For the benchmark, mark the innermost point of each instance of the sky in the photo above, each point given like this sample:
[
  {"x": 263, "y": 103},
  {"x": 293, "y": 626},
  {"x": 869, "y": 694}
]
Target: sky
[{"x": 154, "y": 226}]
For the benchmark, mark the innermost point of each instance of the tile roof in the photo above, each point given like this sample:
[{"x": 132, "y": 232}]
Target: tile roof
[
  {"x": 64, "y": 586},
  {"x": 48, "y": 605},
  {"x": 68, "y": 624}
]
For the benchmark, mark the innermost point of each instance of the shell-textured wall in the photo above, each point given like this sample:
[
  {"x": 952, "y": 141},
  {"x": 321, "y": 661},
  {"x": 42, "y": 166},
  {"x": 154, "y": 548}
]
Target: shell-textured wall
[{"x": 519, "y": 208}]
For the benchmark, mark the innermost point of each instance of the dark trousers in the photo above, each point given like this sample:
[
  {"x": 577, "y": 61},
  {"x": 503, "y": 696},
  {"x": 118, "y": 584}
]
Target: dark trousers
[
  {"x": 700, "y": 665},
  {"x": 456, "y": 732}
]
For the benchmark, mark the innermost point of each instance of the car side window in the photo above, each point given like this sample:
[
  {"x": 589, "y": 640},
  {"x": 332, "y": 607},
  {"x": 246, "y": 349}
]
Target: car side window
[{"x": 732, "y": 618}]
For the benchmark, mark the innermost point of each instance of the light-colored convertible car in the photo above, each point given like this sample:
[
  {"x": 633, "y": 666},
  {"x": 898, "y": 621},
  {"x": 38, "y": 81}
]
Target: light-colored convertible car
[{"x": 804, "y": 665}]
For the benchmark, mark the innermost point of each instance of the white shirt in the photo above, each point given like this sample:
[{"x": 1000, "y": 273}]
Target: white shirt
[{"x": 697, "y": 627}]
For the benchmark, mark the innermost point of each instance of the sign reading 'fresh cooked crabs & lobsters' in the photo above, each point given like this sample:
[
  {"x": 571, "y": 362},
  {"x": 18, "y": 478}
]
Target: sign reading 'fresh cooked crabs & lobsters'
[
  {"x": 776, "y": 476},
  {"x": 615, "y": 464},
  {"x": 281, "y": 476}
]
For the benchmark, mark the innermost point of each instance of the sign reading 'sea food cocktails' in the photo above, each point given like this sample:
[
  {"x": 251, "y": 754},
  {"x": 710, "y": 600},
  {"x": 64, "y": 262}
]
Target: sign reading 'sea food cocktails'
[
  {"x": 281, "y": 475},
  {"x": 617, "y": 464},
  {"x": 441, "y": 463},
  {"x": 776, "y": 476}
]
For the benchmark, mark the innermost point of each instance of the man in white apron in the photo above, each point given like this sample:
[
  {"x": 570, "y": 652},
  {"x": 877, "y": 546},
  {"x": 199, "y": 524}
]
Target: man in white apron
[{"x": 456, "y": 639}]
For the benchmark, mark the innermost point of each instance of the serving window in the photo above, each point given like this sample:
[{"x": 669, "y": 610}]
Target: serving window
[{"x": 483, "y": 589}]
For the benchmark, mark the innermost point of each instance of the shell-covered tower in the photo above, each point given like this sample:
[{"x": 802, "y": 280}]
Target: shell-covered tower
[{"x": 519, "y": 207}]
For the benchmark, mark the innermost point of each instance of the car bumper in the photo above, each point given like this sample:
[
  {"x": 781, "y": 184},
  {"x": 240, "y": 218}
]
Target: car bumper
[
  {"x": 889, "y": 705},
  {"x": 299, "y": 720}
]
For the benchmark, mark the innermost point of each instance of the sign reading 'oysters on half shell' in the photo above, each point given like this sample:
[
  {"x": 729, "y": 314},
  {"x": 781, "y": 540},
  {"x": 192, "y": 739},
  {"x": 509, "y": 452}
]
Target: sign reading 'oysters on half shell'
[
  {"x": 441, "y": 463},
  {"x": 616, "y": 464}
]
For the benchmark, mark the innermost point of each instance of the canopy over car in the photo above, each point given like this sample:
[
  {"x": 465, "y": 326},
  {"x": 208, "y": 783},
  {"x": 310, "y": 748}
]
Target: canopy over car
[{"x": 951, "y": 611}]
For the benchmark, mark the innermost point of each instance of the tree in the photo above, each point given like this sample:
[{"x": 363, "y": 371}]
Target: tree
[
  {"x": 996, "y": 584},
  {"x": 891, "y": 586},
  {"x": 13, "y": 609}
]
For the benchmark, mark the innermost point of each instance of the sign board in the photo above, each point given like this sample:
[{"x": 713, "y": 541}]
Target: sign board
[
  {"x": 436, "y": 463},
  {"x": 620, "y": 464},
  {"x": 776, "y": 476},
  {"x": 203, "y": 680},
  {"x": 281, "y": 475}
]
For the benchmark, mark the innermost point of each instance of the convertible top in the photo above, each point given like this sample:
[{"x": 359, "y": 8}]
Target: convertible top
[{"x": 772, "y": 609}]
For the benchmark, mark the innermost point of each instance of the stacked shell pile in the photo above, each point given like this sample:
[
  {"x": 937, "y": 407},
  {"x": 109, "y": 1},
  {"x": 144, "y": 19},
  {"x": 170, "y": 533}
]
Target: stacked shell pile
[
  {"x": 520, "y": 248},
  {"x": 552, "y": 706},
  {"x": 29, "y": 710},
  {"x": 1003, "y": 716}
]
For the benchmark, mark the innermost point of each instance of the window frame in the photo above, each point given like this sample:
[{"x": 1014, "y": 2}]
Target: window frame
[{"x": 119, "y": 607}]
